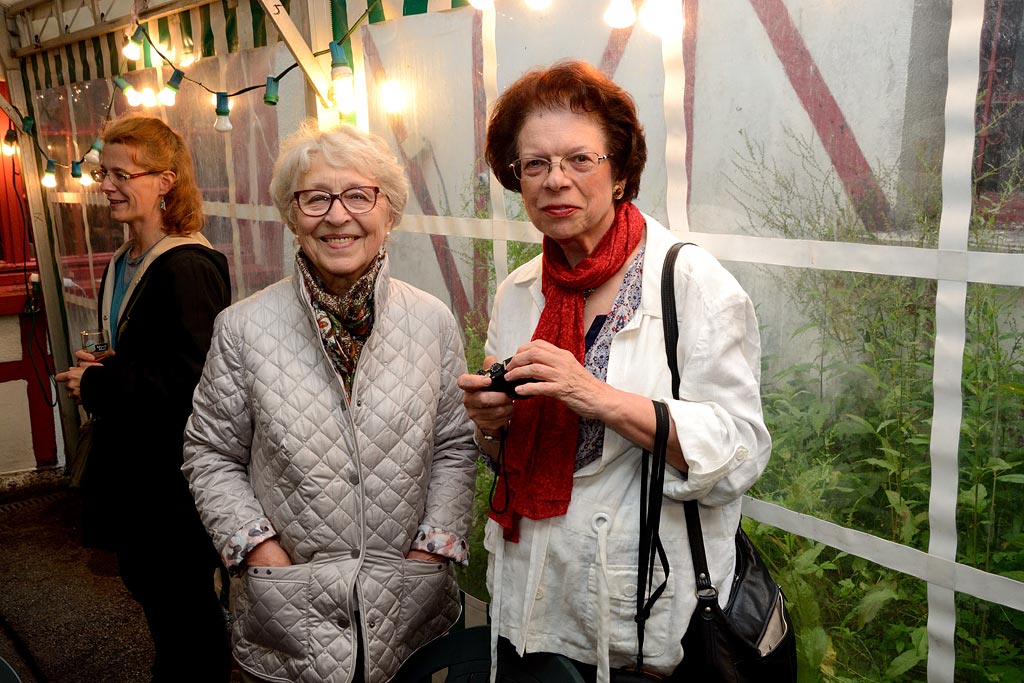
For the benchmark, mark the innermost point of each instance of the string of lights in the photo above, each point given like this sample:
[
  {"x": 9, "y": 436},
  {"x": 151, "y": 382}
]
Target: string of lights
[
  {"x": 619, "y": 14},
  {"x": 341, "y": 77}
]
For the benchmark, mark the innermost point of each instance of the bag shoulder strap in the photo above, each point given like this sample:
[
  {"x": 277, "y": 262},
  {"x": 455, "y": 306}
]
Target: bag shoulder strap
[
  {"x": 668, "y": 313},
  {"x": 652, "y": 482},
  {"x": 671, "y": 325}
]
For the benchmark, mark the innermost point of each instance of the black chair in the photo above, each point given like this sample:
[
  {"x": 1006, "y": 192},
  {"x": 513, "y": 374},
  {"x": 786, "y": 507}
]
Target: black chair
[
  {"x": 467, "y": 657},
  {"x": 7, "y": 673}
]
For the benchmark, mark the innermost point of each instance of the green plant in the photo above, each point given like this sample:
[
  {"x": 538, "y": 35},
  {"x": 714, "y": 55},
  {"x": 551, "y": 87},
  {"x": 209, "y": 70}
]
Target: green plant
[{"x": 851, "y": 426}]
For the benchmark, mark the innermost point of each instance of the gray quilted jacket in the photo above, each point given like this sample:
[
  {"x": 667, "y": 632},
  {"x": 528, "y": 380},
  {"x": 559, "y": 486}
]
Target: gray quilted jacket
[{"x": 344, "y": 485}]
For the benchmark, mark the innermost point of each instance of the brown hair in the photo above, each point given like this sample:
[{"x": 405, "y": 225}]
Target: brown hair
[
  {"x": 156, "y": 147},
  {"x": 580, "y": 88}
]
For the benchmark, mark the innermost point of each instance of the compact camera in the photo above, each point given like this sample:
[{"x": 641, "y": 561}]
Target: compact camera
[{"x": 498, "y": 382}]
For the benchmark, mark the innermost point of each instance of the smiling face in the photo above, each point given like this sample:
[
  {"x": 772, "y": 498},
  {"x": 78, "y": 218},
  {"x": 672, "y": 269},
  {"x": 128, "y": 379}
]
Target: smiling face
[
  {"x": 340, "y": 245},
  {"x": 574, "y": 210},
  {"x": 136, "y": 201}
]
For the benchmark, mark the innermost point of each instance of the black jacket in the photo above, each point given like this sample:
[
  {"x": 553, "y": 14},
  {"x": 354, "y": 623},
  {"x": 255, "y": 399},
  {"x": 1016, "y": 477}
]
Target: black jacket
[{"x": 133, "y": 488}]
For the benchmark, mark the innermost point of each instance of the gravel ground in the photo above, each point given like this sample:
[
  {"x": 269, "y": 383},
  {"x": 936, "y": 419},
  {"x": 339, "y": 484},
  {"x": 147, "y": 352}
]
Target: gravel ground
[{"x": 65, "y": 616}]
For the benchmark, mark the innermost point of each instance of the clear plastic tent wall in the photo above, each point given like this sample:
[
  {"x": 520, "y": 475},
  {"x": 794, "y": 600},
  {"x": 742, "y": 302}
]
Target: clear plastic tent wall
[{"x": 856, "y": 164}]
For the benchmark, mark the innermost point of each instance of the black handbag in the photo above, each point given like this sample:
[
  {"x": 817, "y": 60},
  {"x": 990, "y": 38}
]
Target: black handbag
[
  {"x": 75, "y": 467},
  {"x": 751, "y": 638}
]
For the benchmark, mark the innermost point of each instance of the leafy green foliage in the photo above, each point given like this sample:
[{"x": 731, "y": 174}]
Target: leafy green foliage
[{"x": 851, "y": 427}]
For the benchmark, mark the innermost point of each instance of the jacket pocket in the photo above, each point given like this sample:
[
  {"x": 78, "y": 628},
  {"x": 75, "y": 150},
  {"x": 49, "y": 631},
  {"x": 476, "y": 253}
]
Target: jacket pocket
[
  {"x": 430, "y": 601},
  {"x": 622, "y": 587},
  {"x": 273, "y": 608}
]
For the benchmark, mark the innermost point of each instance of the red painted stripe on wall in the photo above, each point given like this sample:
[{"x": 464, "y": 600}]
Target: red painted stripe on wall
[
  {"x": 613, "y": 50},
  {"x": 827, "y": 117}
]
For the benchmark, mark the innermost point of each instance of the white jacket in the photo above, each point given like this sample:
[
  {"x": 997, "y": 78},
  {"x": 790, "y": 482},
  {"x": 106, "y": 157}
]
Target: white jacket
[
  {"x": 569, "y": 585},
  {"x": 345, "y": 485}
]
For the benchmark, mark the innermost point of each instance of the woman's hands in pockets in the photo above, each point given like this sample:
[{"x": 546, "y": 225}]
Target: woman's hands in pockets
[
  {"x": 425, "y": 556},
  {"x": 269, "y": 553}
]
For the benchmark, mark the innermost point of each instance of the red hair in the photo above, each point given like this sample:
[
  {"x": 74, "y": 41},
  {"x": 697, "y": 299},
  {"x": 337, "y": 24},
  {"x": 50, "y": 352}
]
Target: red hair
[
  {"x": 156, "y": 147},
  {"x": 580, "y": 88}
]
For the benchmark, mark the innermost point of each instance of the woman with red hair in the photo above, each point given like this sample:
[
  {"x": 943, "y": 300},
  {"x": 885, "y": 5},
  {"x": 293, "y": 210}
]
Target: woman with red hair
[
  {"x": 160, "y": 294},
  {"x": 582, "y": 325}
]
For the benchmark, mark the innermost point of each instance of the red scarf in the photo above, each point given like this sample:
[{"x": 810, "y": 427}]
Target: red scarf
[{"x": 540, "y": 450}]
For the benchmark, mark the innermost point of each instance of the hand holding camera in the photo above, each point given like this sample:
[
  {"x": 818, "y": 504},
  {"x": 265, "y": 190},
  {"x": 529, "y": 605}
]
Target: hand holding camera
[{"x": 498, "y": 382}]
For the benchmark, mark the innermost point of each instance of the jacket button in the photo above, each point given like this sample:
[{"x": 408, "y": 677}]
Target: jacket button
[
  {"x": 354, "y": 553},
  {"x": 343, "y": 622},
  {"x": 354, "y": 478},
  {"x": 371, "y": 624}
]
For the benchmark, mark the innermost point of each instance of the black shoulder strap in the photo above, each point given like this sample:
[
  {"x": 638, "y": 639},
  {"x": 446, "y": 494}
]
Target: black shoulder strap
[
  {"x": 652, "y": 482},
  {"x": 671, "y": 324},
  {"x": 668, "y": 313},
  {"x": 652, "y": 468}
]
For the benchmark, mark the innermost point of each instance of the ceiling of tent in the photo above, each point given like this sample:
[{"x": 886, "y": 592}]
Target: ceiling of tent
[{"x": 36, "y": 25}]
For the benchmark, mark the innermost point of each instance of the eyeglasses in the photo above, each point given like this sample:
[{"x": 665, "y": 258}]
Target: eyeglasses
[
  {"x": 578, "y": 163},
  {"x": 118, "y": 177},
  {"x": 356, "y": 200}
]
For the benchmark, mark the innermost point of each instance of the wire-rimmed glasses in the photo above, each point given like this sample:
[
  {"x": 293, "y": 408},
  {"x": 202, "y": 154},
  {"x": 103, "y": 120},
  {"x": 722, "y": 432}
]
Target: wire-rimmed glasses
[
  {"x": 577, "y": 163},
  {"x": 117, "y": 177},
  {"x": 356, "y": 200}
]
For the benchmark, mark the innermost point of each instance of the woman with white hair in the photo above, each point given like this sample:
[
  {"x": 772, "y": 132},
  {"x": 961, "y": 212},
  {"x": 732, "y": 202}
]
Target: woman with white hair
[{"x": 329, "y": 452}]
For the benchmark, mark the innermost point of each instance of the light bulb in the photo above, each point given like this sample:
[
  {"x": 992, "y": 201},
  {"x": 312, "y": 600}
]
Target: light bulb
[
  {"x": 344, "y": 89},
  {"x": 133, "y": 50},
  {"x": 271, "y": 97},
  {"x": 223, "y": 123},
  {"x": 147, "y": 97},
  {"x": 76, "y": 172},
  {"x": 166, "y": 95},
  {"x": 482, "y": 4},
  {"x": 662, "y": 17},
  {"x": 341, "y": 79},
  {"x": 538, "y": 4},
  {"x": 10, "y": 143},
  {"x": 50, "y": 177},
  {"x": 620, "y": 14},
  {"x": 391, "y": 96},
  {"x": 130, "y": 93},
  {"x": 93, "y": 155}
]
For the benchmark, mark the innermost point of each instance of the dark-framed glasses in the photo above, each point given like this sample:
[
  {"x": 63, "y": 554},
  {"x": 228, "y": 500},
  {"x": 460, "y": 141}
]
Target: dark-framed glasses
[
  {"x": 356, "y": 200},
  {"x": 118, "y": 177},
  {"x": 577, "y": 163}
]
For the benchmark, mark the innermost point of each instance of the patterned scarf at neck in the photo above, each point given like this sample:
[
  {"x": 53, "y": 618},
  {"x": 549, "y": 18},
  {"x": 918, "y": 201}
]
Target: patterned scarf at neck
[
  {"x": 344, "y": 321},
  {"x": 540, "y": 450}
]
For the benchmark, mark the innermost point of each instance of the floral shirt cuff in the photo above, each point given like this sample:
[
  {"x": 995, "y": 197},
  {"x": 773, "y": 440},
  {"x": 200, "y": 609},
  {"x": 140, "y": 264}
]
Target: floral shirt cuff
[
  {"x": 440, "y": 542},
  {"x": 243, "y": 541}
]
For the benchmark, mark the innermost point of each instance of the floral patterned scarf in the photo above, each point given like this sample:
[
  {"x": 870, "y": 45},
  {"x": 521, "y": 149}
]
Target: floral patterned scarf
[{"x": 345, "y": 321}]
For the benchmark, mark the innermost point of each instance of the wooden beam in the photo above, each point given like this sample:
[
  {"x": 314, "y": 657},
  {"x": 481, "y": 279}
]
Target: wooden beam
[
  {"x": 297, "y": 45},
  {"x": 101, "y": 28}
]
